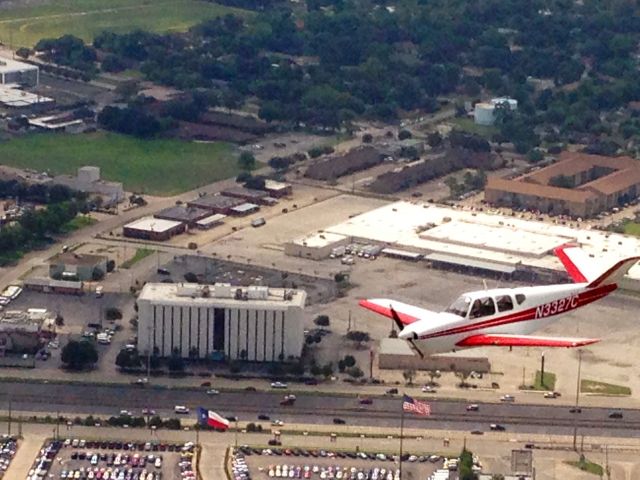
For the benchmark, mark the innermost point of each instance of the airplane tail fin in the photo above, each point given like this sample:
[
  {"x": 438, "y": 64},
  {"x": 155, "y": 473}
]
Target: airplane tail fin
[
  {"x": 615, "y": 273},
  {"x": 582, "y": 268}
]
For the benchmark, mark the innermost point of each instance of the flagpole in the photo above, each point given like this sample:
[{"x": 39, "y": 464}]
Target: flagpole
[{"x": 401, "y": 438}]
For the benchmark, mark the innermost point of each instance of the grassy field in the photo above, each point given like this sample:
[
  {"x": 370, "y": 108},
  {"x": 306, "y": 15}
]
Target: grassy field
[
  {"x": 24, "y": 26},
  {"x": 587, "y": 466},
  {"x": 158, "y": 167},
  {"x": 139, "y": 255},
  {"x": 632, "y": 228},
  {"x": 77, "y": 223},
  {"x": 591, "y": 386},
  {"x": 468, "y": 125},
  {"x": 549, "y": 381}
]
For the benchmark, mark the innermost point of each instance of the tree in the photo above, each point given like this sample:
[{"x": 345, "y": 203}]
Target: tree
[
  {"x": 433, "y": 374},
  {"x": 23, "y": 52},
  {"x": 463, "y": 375},
  {"x": 97, "y": 274},
  {"x": 355, "y": 372},
  {"x": 111, "y": 265},
  {"x": 77, "y": 355},
  {"x": 409, "y": 375},
  {"x": 175, "y": 362},
  {"x": 322, "y": 320},
  {"x": 349, "y": 361},
  {"x": 113, "y": 313},
  {"x": 465, "y": 466},
  {"x": 434, "y": 139},
  {"x": 358, "y": 337},
  {"x": 327, "y": 370},
  {"x": 247, "y": 161},
  {"x": 404, "y": 134},
  {"x": 128, "y": 359},
  {"x": 367, "y": 138}
]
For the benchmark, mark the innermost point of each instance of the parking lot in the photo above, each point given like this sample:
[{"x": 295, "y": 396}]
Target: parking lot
[
  {"x": 114, "y": 460},
  {"x": 209, "y": 270},
  {"x": 8, "y": 447},
  {"x": 258, "y": 463}
]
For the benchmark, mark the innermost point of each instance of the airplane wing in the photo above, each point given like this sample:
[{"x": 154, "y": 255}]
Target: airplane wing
[
  {"x": 407, "y": 314},
  {"x": 505, "y": 340}
]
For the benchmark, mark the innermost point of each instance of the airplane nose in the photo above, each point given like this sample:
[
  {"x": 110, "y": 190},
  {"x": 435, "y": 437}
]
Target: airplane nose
[{"x": 408, "y": 335}]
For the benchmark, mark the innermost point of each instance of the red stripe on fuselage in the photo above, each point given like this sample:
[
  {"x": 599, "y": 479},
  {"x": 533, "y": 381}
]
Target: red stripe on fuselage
[{"x": 584, "y": 298}]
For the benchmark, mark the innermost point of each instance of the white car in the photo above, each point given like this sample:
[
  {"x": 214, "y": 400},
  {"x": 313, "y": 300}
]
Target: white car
[
  {"x": 279, "y": 385},
  {"x": 277, "y": 423},
  {"x": 181, "y": 409},
  {"x": 213, "y": 391},
  {"x": 507, "y": 398}
]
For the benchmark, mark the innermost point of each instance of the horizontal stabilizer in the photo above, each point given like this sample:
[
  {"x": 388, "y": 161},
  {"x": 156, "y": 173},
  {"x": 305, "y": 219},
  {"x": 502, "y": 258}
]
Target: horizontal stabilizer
[
  {"x": 505, "y": 340},
  {"x": 407, "y": 314}
]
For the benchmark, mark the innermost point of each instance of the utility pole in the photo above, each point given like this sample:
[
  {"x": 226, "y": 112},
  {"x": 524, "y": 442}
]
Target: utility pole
[
  {"x": 9, "y": 423},
  {"x": 542, "y": 370},
  {"x": 575, "y": 417}
]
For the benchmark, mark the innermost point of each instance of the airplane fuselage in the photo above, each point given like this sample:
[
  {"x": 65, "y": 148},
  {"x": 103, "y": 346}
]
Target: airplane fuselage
[{"x": 513, "y": 311}]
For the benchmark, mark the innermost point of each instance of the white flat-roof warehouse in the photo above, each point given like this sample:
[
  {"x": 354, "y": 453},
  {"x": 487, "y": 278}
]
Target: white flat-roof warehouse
[
  {"x": 12, "y": 71},
  {"x": 494, "y": 238}
]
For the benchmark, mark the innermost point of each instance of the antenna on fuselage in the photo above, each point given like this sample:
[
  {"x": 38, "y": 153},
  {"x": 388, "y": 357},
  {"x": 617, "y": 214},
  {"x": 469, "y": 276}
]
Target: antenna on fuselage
[{"x": 400, "y": 325}]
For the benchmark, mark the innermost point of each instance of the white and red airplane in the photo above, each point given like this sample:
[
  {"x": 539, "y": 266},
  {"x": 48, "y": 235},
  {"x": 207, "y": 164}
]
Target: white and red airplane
[{"x": 505, "y": 316}]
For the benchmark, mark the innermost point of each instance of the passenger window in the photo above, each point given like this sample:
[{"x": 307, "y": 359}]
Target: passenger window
[
  {"x": 504, "y": 303},
  {"x": 482, "y": 307},
  {"x": 520, "y": 298}
]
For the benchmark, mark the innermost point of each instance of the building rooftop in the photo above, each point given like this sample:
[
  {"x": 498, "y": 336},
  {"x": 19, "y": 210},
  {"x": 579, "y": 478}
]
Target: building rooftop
[
  {"x": 538, "y": 190},
  {"x": 275, "y": 186},
  {"x": 245, "y": 192},
  {"x": 152, "y": 224},
  {"x": 221, "y": 293},
  {"x": 216, "y": 201},
  {"x": 319, "y": 240},
  {"x": 245, "y": 207},
  {"x": 12, "y": 96},
  {"x": 182, "y": 213},
  {"x": 404, "y": 225},
  {"x": 71, "y": 258},
  {"x": 8, "y": 65},
  {"x": 216, "y": 217}
]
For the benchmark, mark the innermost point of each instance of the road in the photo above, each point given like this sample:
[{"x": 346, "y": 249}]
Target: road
[{"x": 314, "y": 409}]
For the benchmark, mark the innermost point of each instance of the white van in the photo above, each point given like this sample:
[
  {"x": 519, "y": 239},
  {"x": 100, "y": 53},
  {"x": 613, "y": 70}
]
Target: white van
[{"x": 99, "y": 291}]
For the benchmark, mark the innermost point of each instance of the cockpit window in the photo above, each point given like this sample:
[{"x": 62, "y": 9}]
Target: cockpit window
[
  {"x": 460, "y": 307},
  {"x": 520, "y": 298},
  {"x": 482, "y": 307},
  {"x": 504, "y": 303}
]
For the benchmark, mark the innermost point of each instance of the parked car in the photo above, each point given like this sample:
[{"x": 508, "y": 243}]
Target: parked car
[
  {"x": 163, "y": 271},
  {"x": 279, "y": 385},
  {"x": 507, "y": 398},
  {"x": 551, "y": 395},
  {"x": 496, "y": 427},
  {"x": 474, "y": 407},
  {"x": 181, "y": 409}
]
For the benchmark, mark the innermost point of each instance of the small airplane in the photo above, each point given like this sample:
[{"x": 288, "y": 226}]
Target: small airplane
[{"x": 505, "y": 316}]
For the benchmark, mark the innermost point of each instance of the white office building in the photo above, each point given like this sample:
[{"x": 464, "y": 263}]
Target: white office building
[{"x": 252, "y": 323}]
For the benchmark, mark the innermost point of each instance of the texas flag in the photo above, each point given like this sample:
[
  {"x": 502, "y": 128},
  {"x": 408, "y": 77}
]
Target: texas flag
[{"x": 212, "y": 419}]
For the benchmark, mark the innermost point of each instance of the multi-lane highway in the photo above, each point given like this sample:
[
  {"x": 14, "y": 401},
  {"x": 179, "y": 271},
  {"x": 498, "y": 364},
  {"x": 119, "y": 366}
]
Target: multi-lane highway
[{"x": 318, "y": 408}]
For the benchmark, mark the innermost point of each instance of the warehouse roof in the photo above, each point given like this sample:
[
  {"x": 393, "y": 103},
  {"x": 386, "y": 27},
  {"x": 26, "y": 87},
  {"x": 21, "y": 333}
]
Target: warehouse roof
[
  {"x": 216, "y": 201},
  {"x": 71, "y": 258},
  {"x": 211, "y": 219},
  {"x": 8, "y": 65},
  {"x": 245, "y": 207},
  {"x": 470, "y": 262},
  {"x": 152, "y": 224},
  {"x": 181, "y": 213}
]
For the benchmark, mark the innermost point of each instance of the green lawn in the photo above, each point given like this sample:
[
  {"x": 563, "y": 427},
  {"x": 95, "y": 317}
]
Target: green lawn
[
  {"x": 591, "y": 386},
  {"x": 158, "y": 167},
  {"x": 632, "y": 228},
  {"x": 77, "y": 223},
  {"x": 25, "y": 25},
  {"x": 468, "y": 125},
  {"x": 587, "y": 466},
  {"x": 549, "y": 381},
  {"x": 139, "y": 255}
]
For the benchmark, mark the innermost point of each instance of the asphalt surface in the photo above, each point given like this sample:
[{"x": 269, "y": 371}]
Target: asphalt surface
[{"x": 314, "y": 409}]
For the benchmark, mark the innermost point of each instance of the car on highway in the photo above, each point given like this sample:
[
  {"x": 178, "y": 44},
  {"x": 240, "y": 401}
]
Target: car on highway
[
  {"x": 428, "y": 389},
  {"x": 181, "y": 409},
  {"x": 477, "y": 432},
  {"x": 279, "y": 385},
  {"x": 213, "y": 391},
  {"x": 551, "y": 394},
  {"x": 126, "y": 413},
  {"x": 474, "y": 407},
  {"x": 366, "y": 401},
  {"x": 507, "y": 398},
  {"x": 392, "y": 391},
  {"x": 496, "y": 427},
  {"x": 339, "y": 421},
  {"x": 615, "y": 414},
  {"x": 262, "y": 416},
  {"x": 277, "y": 423},
  {"x": 148, "y": 411},
  {"x": 575, "y": 410},
  {"x": 232, "y": 418}
]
